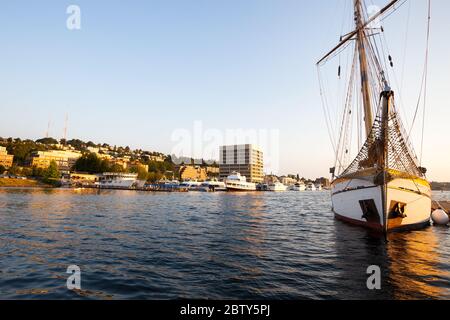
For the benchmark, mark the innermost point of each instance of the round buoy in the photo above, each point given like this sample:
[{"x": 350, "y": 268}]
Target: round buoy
[{"x": 440, "y": 217}]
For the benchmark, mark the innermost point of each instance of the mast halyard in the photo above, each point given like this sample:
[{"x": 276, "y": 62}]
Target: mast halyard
[{"x": 363, "y": 66}]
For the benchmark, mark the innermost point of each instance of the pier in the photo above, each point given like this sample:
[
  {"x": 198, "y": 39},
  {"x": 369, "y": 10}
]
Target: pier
[{"x": 441, "y": 205}]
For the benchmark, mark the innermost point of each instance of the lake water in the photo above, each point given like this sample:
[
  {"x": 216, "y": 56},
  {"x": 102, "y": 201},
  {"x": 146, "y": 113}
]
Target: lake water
[{"x": 138, "y": 245}]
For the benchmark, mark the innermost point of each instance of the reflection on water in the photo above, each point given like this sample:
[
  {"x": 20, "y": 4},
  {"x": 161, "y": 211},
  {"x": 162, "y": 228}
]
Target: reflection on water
[{"x": 206, "y": 245}]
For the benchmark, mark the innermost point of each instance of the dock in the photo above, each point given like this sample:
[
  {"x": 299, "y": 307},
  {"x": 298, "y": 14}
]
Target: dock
[{"x": 442, "y": 205}]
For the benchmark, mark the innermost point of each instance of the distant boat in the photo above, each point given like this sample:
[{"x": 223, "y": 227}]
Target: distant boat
[
  {"x": 190, "y": 185},
  {"x": 211, "y": 186},
  {"x": 277, "y": 186},
  {"x": 384, "y": 187},
  {"x": 310, "y": 187},
  {"x": 117, "y": 180},
  {"x": 236, "y": 182},
  {"x": 299, "y": 186}
]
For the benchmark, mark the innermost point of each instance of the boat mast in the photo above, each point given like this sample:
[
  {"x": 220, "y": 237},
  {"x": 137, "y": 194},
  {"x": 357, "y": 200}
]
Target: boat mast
[{"x": 361, "y": 41}]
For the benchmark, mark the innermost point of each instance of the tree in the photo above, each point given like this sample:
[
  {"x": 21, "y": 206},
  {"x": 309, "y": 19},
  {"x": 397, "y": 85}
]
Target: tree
[
  {"x": 51, "y": 174},
  {"x": 89, "y": 162},
  {"x": 2, "y": 169},
  {"x": 52, "y": 171},
  {"x": 14, "y": 170},
  {"x": 77, "y": 144},
  {"x": 48, "y": 140},
  {"x": 142, "y": 173}
]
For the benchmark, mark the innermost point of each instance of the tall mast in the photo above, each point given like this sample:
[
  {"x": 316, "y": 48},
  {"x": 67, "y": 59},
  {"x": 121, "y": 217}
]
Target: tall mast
[{"x": 361, "y": 41}]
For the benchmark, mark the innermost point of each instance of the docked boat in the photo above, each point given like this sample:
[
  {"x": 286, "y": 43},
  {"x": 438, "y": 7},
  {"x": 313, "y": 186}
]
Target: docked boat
[
  {"x": 212, "y": 186},
  {"x": 384, "y": 186},
  {"x": 310, "y": 187},
  {"x": 117, "y": 180},
  {"x": 190, "y": 185},
  {"x": 277, "y": 186},
  {"x": 299, "y": 186},
  {"x": 236, "y": 182}
]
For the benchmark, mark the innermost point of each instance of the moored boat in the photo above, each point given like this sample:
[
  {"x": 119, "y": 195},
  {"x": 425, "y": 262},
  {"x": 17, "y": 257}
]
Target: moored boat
[
  {"x": 277, "y": 186},
  {"x": 236, "y": 182},
  {"x": 384, "y": 187},
  {"x": 299, "y": 186},
  {"x": 117, "y": 180}
]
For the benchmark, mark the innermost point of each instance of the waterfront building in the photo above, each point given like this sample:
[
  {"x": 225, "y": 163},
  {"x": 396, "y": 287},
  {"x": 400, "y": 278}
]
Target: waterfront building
[
  {"x": 64, "y": 159},
  {"x": 270, "y": 179},
  {"x": 288, "y": 181},
  {"x": 157, "y": 158},
  {"x": 6, "y": 160},
  {"x": 122, "y": 162},
  {"x": 247, "y": 159},
  {"x": 188, "y": 172},
  {"x": 324, "y": 182}
]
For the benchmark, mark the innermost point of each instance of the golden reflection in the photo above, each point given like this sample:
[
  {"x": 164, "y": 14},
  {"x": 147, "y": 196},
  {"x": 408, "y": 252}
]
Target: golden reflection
[{"x": 414, "y": 259}]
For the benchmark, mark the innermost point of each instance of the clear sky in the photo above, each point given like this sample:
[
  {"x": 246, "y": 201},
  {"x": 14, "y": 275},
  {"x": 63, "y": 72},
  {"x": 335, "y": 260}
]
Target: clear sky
[{"x": 139, "y": 70}]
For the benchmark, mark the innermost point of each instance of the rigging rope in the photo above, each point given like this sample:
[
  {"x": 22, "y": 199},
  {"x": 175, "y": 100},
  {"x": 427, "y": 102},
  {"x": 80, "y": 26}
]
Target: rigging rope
[
  {"x": 426, "y": 79},
  {"x": 423, "y": 85}
]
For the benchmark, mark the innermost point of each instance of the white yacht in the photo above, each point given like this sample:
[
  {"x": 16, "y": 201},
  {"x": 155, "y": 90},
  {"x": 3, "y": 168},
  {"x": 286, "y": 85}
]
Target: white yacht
[
  {"x": 310, "y": 187},
  {"x": 277, "y": 186},
  {"x": 117, "y": 180},
  {"x": 299, "y": 186},
  {"x": 236, "y": 182},
  {"x": 319, "y": 187},
  {"x": 212, "y": 185}
]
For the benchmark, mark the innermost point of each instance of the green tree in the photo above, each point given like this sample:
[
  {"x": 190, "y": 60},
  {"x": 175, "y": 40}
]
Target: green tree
[
  {"x": 2, "y": 169},
  {"x": 48, "y": 140},
  {"x": 51, "y": 174},
  {"x": 142, "y": 173},
  {"x": 89, "y": 162}
]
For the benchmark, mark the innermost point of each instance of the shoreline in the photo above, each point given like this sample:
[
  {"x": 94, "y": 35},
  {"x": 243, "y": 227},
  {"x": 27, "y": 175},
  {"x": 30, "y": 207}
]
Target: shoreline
[{"x": 23, "y": 183}]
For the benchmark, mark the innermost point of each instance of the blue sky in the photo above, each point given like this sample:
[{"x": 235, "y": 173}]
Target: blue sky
[{"x": 138, "y": 70}]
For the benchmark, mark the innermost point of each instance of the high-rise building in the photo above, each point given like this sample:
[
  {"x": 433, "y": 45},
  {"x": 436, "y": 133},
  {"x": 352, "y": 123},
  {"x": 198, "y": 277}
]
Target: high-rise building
[
  {"x": 6, "y": 160},
  {"x": 247, "y": 159}
]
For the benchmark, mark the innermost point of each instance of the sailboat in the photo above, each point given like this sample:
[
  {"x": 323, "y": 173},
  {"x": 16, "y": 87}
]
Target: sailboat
[{"x": 383, "y": 188}]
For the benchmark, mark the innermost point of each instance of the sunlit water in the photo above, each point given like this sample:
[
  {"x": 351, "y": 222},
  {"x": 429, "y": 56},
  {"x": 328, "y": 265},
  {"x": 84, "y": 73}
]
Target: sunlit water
[{"x": 137, "y": 245}]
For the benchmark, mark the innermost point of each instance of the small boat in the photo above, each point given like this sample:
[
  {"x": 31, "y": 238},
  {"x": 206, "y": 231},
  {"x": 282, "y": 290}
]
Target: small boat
[
  {"x": 310, "y": 187},
  {"x": 190, "y": 185},
  {"x": 212, "y": 186},
  {"x": 236, "y": 182},
  {"x": 277, "y": 186},
  {"x": 299, "y": 186}
]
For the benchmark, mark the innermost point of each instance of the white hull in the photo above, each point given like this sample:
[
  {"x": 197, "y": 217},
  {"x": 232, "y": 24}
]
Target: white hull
[
  {"x": 299, "y": 188},
  {"x": 117, "y": 183},
  {"x": 240, "y": 186},
  {"x": 351, "y": 198},
  {"x": 277, "y": 188}
]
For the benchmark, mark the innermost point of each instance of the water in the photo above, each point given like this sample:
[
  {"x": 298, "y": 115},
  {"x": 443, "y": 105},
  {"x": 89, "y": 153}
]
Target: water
[{"x": 136, "y": 245}]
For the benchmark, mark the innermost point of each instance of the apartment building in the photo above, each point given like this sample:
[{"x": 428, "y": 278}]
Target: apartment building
[
  {"x": 64, "y": 159},
  {"x": 247, "y": 159},
  {"x": 6, "y": 160}
]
